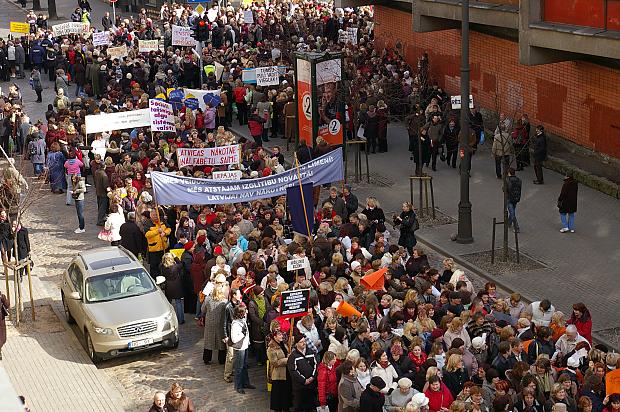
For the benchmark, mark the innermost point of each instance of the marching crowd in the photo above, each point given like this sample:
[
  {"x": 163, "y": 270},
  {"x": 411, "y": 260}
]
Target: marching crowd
[{"x": 385, "y": 330}]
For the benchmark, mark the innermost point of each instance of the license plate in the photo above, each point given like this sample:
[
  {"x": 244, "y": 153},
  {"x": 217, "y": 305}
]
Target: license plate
[{"x": 139, "y": 343}]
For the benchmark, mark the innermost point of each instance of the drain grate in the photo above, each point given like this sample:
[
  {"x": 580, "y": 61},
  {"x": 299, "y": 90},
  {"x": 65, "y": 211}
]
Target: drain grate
[{"x": 380, "y": 180}]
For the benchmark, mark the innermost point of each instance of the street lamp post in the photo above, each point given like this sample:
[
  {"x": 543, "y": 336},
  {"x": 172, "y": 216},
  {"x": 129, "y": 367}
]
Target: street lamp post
[{"x": 464, "y": 234}]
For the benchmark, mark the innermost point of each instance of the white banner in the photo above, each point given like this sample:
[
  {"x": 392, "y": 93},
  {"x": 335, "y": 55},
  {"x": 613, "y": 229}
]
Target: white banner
[
  {"x": 70, "y": 28},
  {"x": 162, "y": 116},
  {"x": 104, "y": 122},
  {"x": 182, "y": 36},
  {"x": 117, "y": 52},
  {"x": 199, "y": 94},
  {"x": 456, "y": 102},
  {"x": 328, "y": 71},
  {"x": 267, "y": 76},
  {"x": 209, "y": 156},
  {"x": 227, "y": 175},
  {"x": 101, "y": 38},
  {"x": 147, "y": 46},
  {"x": 248, "y": 17}
]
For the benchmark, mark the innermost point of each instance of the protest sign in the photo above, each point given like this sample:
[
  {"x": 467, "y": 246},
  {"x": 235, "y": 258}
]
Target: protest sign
[
  {"x": 209, "y": 156},
  {"x": 171, "y": 189},
  {"x": 182, "y": 36},
  {"x": 200, "y": 96},
  {"x": 294, "y": 303},
  {"x": 248, "y": 17},
  {"x": 328, "y": 71},
  {"x": 147, "y": 46},
  {"x": 248, "y": 76},
  {"x": 117, "y": 52},
  {"x": 267, "y": 76},
  {"x": 297, "y": 264},
  {"x": 219, "y": 70},
  {"x": 18, "y": 27},
  {"x": 101, "y": 38},
  {"x": 227, "y": 175},
  {"x": 352, "y": 35},
  {"x": 612, "y": 382},
  {"x": 70, "y": 28},
  {"x": 212, "y": 15},
  {"x": 456, "y": 102},
  {"x": 162, "y": 116},
  {"x": 103, "y": 122}
]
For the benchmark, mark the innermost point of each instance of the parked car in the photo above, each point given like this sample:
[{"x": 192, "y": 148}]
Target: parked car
[{"x": 116, "y": 304}]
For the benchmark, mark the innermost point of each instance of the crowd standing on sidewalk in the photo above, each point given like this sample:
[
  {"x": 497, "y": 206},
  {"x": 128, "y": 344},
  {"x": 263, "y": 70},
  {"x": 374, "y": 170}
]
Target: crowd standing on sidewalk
[{"x": 385, "y": 330}]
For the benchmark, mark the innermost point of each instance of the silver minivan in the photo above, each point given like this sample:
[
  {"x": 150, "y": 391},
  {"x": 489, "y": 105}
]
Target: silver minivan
[{"x": 116, "y": 304}]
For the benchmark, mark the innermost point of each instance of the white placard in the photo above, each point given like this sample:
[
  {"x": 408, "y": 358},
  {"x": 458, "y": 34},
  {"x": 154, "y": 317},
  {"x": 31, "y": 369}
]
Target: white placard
[
  {"x": 352, "y": 34},
  {"x": 212, "y": 15},
  {"x": 219, "y": 70},
  {"x": 101, "y": 38},
  {"x": 199, "y": 94},
  {"x": 182, "y": 36},
  {"x": 117, "y": 52},
  {"x": 456, "y": 101},
  {"x": 248, "y": 17},
  {"x": 267, "y": 76},
  {"x": 147, "y": 46},
  {"x": 227, "y": 175},
  {"x": 328, "y": 71},
  {"x": 70, "y": 28},
  {"x": 209, "y": 156},
  {"x": 296, "y": 264},
  {"x": 104, "y": 122},
  {"x": 162, "y": 116}
]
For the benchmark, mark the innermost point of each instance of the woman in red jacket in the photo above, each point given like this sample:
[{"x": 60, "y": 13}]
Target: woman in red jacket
[
  {"x": 582, "y": 319},
  {"x": 438, "y": 394},
  {"x": 327, "y": 383}
]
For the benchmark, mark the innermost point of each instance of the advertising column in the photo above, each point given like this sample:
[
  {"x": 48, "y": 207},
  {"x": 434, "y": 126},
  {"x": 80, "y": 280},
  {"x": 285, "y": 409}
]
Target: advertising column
[
  {"x": 330, "y": 100},
  {"x": 304, "y": 101}
]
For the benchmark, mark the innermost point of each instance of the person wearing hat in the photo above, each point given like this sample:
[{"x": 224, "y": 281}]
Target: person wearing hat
[
  {"x": 373, "y": 399},
  {"x": 302, "y": 367},
  {"x": 257, "y": 309},
  {"x": 400, "y": 398}
]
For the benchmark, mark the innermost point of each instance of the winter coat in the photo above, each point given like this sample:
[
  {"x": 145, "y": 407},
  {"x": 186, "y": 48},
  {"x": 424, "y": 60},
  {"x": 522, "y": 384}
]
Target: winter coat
[
  {"x": 340, "y": 349},
  {"x": 513, "y": 188},
  {"x": 277, "y": 361},
  {"x": 132, "y": 238},
  {"x": 174, "y": 281},
  {"x": 567, "y": 201},
  {"x": 327, "y": 383},
  {"x": 502, "y": 144},
  {"x": 349, "y": 391},
  {"x": 455, "y": 381},
  {"x": 388, "y": 375},
  {"x": 113, "y": 223},
  {"x": 371, "y": 401},
  {"x": 440, "y": 399},
  {"x": 36, "y": 150},
  {"x": 197, "y": 272},
  {"x": 213, "y": 312},
  {"x": 257, "y": 324},
  {"x": 155, "y": 241},
  {"x": 80, "y": 74},
  {"x": 539, "y": 147},
  {"x": 407, "y": 237},
  {"x": 301, "y": 366}
]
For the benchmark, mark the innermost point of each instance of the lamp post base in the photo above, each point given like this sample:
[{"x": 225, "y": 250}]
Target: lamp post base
[{"x": 464, "y": 234}]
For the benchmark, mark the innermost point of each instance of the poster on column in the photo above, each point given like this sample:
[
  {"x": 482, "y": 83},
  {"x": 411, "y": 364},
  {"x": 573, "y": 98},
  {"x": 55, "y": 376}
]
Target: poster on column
[
  {"x": 182, "y": 36},
  {"x": 209, "y": 156},
  {"x": 267, "y": 76},
  {"x": 101, "y": 38},
  {"x": 172, "y": 189},
  {"x": 330, "y": 97},
  {"x": 304, "y": 101},
  {"x": 162, "y": 116}
]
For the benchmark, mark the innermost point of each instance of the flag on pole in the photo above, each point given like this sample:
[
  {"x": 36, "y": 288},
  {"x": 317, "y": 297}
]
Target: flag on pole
[{"x": 296, "y": 208}]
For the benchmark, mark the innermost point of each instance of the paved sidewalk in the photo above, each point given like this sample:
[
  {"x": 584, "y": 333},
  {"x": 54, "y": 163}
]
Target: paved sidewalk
[{"x": 578, "y": 267}]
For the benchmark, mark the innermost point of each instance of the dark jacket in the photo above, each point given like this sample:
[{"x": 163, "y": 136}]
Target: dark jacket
[
  {"x": 513, "y": 188},
  {"x": 567, "y": 201},
  {"x": 174, "y": 283},
  {"x": 257, "y": 324},
  {"x": 228, "y": 318},
  {"x": 539, "y": 146},
  {"x": 362, "y": 346},
  {"x": 304, "y": 154},
  {"x": 455, "y": 381},
  {"x": 371, "y": 401},
  {"x": 23, "y": 244},
  {"x": 132, "y": 238},
  {"x": 301, "y": 367}
]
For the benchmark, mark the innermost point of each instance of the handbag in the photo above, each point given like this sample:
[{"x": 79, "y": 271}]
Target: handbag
[{"x": 105, "y": 235}]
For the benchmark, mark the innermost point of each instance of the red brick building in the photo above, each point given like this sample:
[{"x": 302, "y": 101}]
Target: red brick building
[{"x": 556, "y": 60}]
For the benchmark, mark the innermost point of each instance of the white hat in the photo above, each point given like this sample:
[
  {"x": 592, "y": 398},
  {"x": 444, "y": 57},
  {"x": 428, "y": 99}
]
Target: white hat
[
  {"x": 419, "y": 400},
  {"x": 241, "y": 271},
  {"x": 477, "y": 342},
  {"x": 404, "y": 383},
  {"x": 355, "y": 264}
]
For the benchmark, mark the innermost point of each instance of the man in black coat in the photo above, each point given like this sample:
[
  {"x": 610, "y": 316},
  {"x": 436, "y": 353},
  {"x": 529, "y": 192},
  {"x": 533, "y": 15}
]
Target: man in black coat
[
  {"x": 372, "y": 399},
  {"x": 513, "y": 191},
  {"x": 132, "y": 237},
  {"x": 539, "y": 145},
  {"x": 303, "y": 370}
]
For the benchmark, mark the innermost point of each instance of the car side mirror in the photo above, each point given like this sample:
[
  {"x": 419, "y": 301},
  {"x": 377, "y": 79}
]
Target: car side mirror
[
  {"x": 160, "y": 280},
  {"x": 75, "y": 296}
]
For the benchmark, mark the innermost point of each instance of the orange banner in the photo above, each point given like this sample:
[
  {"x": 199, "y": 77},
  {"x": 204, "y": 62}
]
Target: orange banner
[{"x": 304, "y": 101}]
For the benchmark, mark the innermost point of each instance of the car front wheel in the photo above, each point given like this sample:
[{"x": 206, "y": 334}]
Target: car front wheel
[{"x": 91, "y": 349}]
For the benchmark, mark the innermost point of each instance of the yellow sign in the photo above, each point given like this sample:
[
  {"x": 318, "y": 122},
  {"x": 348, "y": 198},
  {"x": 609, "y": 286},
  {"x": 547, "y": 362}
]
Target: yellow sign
[
  {"x": 17, "y": 27},
  {"x": 200, "y": 9}
]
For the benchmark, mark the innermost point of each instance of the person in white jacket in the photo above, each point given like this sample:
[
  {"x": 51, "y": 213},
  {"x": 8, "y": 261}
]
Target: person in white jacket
[
  {"x": 240, "y": 340},
  {"x": 113, "y": 223},
  {"x": 384, "y": 369}
]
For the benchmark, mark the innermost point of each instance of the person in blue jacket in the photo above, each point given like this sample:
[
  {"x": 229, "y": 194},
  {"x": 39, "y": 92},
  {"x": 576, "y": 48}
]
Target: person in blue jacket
[{"x": 37, "y": 52}]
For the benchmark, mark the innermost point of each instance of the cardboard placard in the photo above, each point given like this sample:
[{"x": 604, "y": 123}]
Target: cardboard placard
[
  {"x": 209, "y": 156},
  {"x": 267, "y": 76},
  {"x": 182, "y": 36},
  {"x": 162, "y": 116},
  {"x": 101, "y": 38},
  {"x": 456, "y": 101},
  {"x": 18, "y": 27},
  {"x": 227, "y": 175},
  {"x": 296, "y": 264},
  {"x": 248, "y": 17},
  {"x": 117, "y": 52},
  {"x": 70, "y": 28},
  {"x": 294, "y": 303},
  {"x": 147, "y": 46}
]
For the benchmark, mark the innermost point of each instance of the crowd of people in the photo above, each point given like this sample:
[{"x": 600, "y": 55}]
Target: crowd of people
[{"x": 425, "y": 340}]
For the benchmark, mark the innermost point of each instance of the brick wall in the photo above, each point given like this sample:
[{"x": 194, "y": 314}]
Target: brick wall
[{"x": 575, "y": 100}]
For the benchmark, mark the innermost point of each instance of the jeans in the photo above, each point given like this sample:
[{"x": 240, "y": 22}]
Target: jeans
[
  {"x": 78, "y": 89},
  {"x": 512, "y": 215},
  {"x": 69, "y": 200},
  {"x": 102, "y": 209},
  {"x": 38, "y": 168},
  {"x": 568, "y": 220},
  {"x": 178, "y": 308},
  {"x": 198, "y": 305},
  {"x": 240, "y": 365},
  {"x": 79, "y": 207}
]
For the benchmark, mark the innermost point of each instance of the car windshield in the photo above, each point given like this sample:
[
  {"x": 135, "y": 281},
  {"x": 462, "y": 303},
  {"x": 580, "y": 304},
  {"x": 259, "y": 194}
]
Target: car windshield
[{"x": 118, "y": 285}]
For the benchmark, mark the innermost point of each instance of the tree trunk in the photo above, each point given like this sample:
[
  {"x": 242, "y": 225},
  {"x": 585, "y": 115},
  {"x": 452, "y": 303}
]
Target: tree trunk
[
  {"x": 51, "y": 9},
  {"x": 36, "y": 5}
]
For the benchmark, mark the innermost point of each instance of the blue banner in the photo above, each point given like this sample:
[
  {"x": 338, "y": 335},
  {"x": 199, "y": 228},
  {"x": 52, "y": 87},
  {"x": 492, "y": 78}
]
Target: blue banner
[
  {"x": 171, "y": 189},
  {"x": 296, "y": 208}
]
